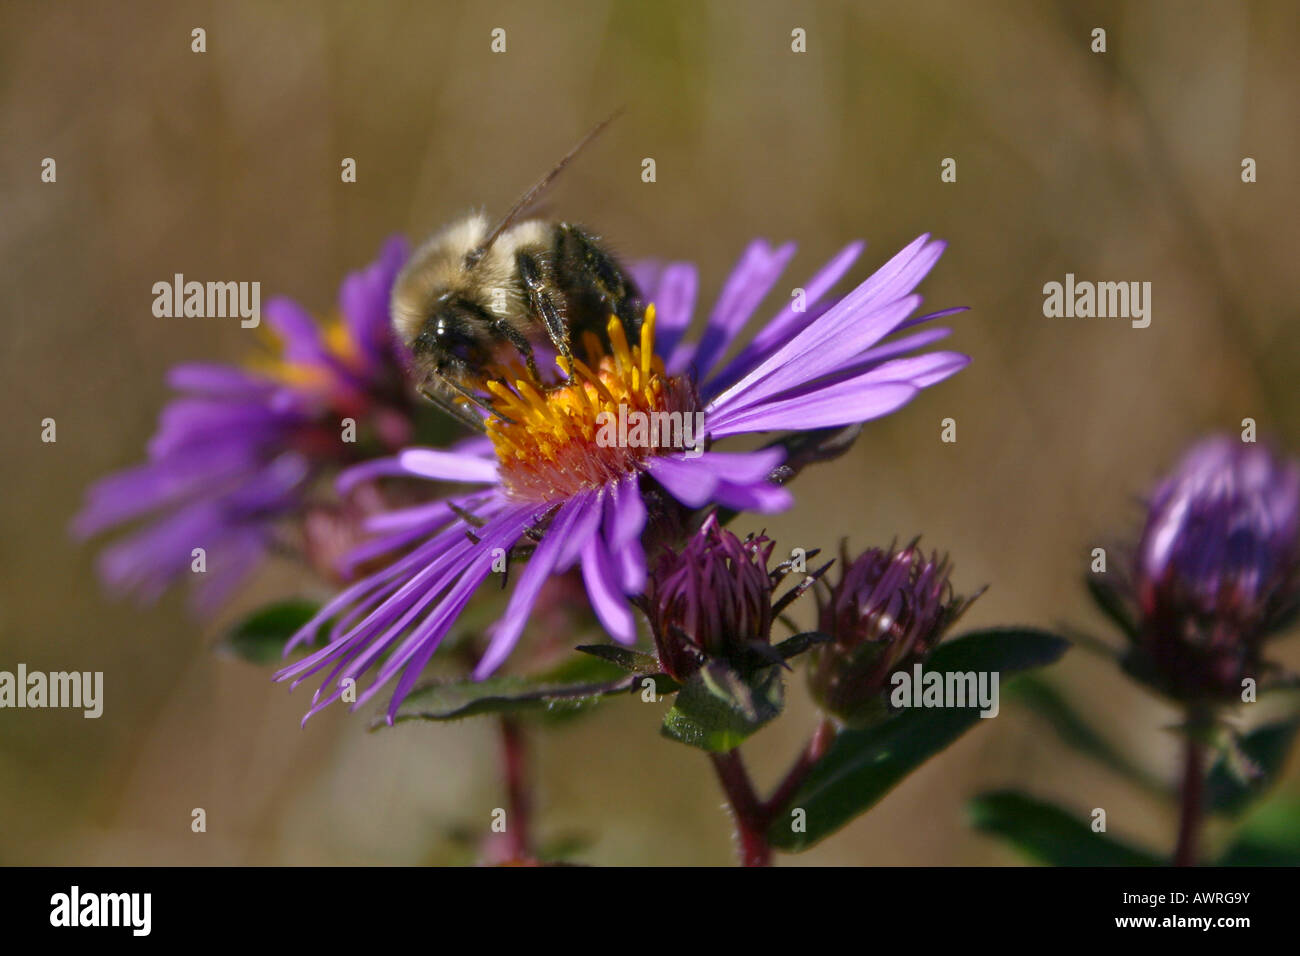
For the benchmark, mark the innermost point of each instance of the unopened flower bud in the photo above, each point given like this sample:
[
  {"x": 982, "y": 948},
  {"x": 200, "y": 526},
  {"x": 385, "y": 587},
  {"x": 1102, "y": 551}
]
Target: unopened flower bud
[
  {"x": 888, "y": 611},
  {"x": 711, "y": 599},
  {"x": 1216, "y": 570}
]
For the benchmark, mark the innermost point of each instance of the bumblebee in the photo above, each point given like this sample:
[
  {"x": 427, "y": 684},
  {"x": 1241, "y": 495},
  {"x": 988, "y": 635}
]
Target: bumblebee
[{"x": 475, "y": 295}]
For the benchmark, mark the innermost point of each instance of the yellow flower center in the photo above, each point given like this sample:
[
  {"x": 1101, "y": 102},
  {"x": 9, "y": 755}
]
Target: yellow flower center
[
  {"x": 338, "y": 342},
  {"x": 555, "y": 441}
]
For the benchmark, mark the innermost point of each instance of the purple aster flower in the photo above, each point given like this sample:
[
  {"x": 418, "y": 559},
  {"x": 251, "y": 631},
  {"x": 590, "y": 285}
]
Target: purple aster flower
[
  {"x": 546, "y": 476},
  {"x": 888, "y": 611},
  {"x": 237, "y": 450},
  {"x": 1216, "y": 569}
]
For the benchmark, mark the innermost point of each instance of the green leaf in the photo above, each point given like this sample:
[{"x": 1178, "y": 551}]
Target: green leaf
[
  {"x": 635, "y": 662},
  {"x": 561, "y": 692},
  {"x": 718, "y": 708},
  {"x": 793, "y": 646},
  {"x": 861, "y": 766},
  {"x": 1269, "y": 837},
  {"x": 260, "y": 637},
  {"x": 1048, "y": 834},
  {"x": 1045, "y": 700},
  {"x": 563, "y": 847},
  {"x": 1244, "y": 772},
  {"x": 1109, "y": 603}
]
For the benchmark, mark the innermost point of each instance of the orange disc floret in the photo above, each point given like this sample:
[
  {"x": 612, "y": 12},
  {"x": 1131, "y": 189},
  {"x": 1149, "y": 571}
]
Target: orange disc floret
[{"x": 551, "y": 441}]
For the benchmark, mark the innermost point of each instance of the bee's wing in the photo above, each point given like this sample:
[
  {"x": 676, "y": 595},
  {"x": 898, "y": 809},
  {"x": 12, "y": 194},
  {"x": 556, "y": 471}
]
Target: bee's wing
[{"x": 539, "y": 187}]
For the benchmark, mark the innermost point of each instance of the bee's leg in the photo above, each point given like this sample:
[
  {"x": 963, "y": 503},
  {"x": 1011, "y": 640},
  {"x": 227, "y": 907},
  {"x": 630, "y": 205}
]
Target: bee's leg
[
  {"x": 542, "y": 300},
  {"x": 503, "y": 329},
  {"x": 455, "y": 409},
  {"x": 600, "y": 272},
  {"x": 475, "y": 400}
]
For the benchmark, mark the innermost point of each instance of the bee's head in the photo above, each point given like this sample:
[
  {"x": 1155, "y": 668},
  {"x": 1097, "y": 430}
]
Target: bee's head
[{"x": 453, "y": 337}]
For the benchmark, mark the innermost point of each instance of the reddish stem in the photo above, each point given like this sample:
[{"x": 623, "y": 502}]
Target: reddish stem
[
  {"x": 752, "y": 815},
  {"x": 1189, "y": 823},
  {"x": 813, "y": 752},
  {"x": 746, "y": 809},
  {"x": 514, "y": 754}
]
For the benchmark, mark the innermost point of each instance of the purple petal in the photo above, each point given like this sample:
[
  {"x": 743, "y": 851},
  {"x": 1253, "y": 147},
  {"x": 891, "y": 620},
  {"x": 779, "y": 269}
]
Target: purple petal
[
  {"x": 625, "y": 515},
  {"x": 419, "y": 646},
  {"x": 127, "y": 494},
  {"x": 749, "y": 283},
  {"x": 427, "y": 554},
  {"x": 743, "y": 466},
  {"x": 631, "y": 562},
  {"x": 448, "y": 465},
  {"x": 899, "y": 346},
  {"x": 759, "y": 496},
  {"x": 396, "y": 529},
  {"x": 920, "y": 370},
  {"x": 822, "y": 348},
  {"x": 900, "y": 274},
  {"x": 600, "y": 574},
  {"x": 212, "y": 378},
  {"x": 788, "y": 322},
  {"x": 297, "y": 330},
  {"x": 716, "y": 476},
  {"x": 845, "y": 404},
  {"x": 645, "y": 273},
  {"x": 624, "y": 519},
  {"x": 674, "y": 302},
  {"x": 536, "y": 571},
  {"x": 237, "y": 557},
  {"x": 187, "y": 422},
  {"x": 589, "y": 510},
  {"x": 417, "y": 516},
  {"x": 931, "y": 316},
  {"x": 363, "y": 300},
  {"x": 464, "y": 567},
  {"x": 350, "y": 478},
  {"x": 373, "y": 636},
  {"x": 690, "y": 485}
]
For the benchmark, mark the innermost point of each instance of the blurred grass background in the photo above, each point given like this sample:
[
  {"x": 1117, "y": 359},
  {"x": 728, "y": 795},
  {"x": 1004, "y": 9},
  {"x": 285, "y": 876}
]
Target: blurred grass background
[{"x": 1123, "y": 166}]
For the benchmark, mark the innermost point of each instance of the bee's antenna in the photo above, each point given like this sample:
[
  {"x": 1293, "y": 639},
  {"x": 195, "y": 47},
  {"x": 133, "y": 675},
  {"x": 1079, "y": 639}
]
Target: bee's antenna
[{"x": 528, "y": 198}]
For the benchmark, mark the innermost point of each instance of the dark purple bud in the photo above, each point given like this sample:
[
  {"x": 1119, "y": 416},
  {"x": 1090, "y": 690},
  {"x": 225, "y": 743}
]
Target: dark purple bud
[
  {"x": 887, "y": 612},
  {"x": 1216, "y": 569},
  {"x": 711, "y": 599}
]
